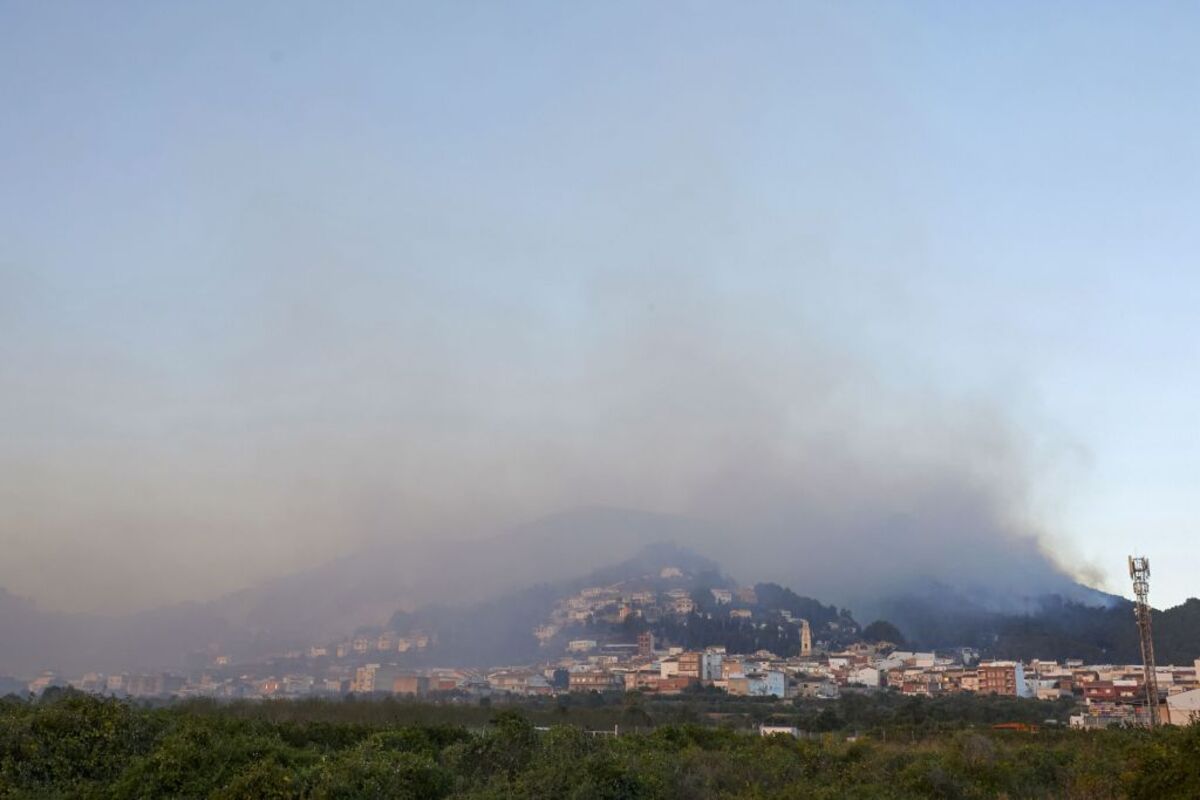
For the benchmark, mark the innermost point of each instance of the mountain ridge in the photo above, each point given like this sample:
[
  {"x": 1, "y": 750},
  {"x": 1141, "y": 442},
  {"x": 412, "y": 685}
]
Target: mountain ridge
[{"x": 368, "y": 587}]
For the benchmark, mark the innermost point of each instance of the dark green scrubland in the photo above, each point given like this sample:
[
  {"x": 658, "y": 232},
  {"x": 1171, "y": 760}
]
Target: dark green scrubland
[{"x": 69, "y": 745}]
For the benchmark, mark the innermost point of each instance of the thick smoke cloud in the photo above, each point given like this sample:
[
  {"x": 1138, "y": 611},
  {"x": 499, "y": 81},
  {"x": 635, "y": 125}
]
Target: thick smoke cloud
[
  {"x": 343, "y": 419},
  {"x": 640, "y": 285}
]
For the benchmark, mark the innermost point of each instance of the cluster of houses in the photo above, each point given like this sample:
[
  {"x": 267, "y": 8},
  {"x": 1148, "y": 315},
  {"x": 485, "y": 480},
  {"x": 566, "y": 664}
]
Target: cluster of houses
[
  {"x": 615, "y": 603},
  {"x": 366, "y": 664},
  {"x": 360, "y": 645},
  {"x": 1108, "y": 695}
]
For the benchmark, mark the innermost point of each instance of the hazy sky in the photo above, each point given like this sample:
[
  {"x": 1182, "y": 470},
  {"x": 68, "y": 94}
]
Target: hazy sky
[{"x": 279, "y": 278}]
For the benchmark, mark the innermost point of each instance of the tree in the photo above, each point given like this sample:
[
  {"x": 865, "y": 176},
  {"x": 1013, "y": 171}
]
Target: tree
[{"x": 883, "y": 631}]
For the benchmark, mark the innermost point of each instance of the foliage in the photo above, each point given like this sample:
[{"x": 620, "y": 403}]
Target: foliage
[
  {"x": 883, "y": 631},
  {"x": 1049, "y": 627},
  {"x": 72, "y": 745}
]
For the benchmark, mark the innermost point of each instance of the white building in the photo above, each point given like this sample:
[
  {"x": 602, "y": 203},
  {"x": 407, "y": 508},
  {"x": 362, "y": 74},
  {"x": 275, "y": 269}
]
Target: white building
[
  {"x": 710, "y": 665},
  {"x": 771, "y": 683},
  {"x": 864, "y": 676},
  {"x": 910, "y": 659},
  {"x": 778, "y": 730},
  {"x": 1183, "y": 708},
  {"x": 888, "y": 664}
]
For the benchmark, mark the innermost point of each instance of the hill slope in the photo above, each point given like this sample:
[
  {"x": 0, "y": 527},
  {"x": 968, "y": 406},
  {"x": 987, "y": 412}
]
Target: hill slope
[
  {"x": 331, "y": 600},
  {"x": 501, "y": 630},
  {"x": 1051, "y": 627},
  {"x": 368, "y": 587}
]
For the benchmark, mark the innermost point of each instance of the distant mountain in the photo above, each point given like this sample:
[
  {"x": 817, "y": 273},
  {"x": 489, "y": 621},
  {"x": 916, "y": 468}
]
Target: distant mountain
[
  {"x": 368, "y": 587},
  {"x": 331, "y": 600},
  {"x": 72, "y": 643}
]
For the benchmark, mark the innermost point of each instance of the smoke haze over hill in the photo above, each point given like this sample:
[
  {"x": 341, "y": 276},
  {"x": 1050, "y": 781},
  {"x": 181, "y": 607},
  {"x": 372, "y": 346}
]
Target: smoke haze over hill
[
  {"x": 293, "y": 303},
  {"x": 449, "y": 582},
  {"x": 801, "y": 462}
]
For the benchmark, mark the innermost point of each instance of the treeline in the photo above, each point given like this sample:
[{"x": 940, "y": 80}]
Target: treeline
[
  {"x": 884, "y": 715},
  {"x": 1062, "y": 629},
  {"x": 75, "y": 746},
  {"x": 1051, "y": 627}
]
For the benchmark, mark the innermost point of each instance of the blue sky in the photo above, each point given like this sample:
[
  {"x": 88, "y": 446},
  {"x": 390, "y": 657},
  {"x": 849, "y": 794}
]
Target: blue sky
[{"x": 234, "y": 237}]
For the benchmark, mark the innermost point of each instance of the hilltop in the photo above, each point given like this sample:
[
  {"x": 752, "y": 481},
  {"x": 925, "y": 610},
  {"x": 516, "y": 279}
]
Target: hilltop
[{"x": 485, "y": 599}]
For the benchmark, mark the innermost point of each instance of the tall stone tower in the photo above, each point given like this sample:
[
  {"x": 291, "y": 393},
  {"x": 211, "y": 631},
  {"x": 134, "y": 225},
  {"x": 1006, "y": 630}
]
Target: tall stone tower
[{"x": 805, "y": 638}]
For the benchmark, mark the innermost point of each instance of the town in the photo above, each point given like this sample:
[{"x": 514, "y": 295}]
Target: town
[{"x": 379, "y": 664}]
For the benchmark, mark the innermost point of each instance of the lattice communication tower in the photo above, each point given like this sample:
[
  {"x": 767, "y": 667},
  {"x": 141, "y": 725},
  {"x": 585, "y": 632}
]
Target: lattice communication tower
[{"x": 1139, "y": 571}]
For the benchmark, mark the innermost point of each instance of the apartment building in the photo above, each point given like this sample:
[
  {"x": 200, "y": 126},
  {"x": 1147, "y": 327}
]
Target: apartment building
[{"x": 1002, "y": 677}]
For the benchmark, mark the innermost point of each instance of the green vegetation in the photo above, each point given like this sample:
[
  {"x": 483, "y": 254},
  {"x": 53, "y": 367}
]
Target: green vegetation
[
  {"x": 1070, "y": 630},
  {"x": 1050, "y": 627},
  {"x": 883, "y": 631},
  {"x": 69, "y": 745}
]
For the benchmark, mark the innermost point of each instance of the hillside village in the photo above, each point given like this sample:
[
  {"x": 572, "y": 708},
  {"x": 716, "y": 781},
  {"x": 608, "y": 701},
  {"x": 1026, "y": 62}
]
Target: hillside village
[{"x": 652, "y": 602}]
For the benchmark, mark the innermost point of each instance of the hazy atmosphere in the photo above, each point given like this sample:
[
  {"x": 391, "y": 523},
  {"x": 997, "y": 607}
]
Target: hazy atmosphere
[{"x": 874, "y": 294}]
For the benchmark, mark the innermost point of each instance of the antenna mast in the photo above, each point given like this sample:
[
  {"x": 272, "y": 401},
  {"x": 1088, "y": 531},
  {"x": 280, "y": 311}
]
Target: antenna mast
[{"x": 1139, "y": 571}]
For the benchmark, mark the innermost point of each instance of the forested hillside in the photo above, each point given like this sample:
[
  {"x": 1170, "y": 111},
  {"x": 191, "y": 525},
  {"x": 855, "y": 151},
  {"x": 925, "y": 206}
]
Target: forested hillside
[{"x": 1050, "y": 627}]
